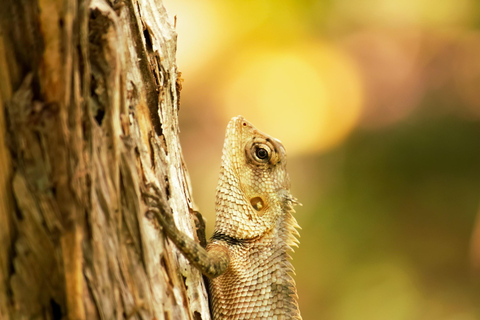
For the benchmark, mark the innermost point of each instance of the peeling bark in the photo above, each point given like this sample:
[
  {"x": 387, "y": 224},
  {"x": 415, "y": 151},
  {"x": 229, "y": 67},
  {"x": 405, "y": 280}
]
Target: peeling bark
[{"x": 89, "y": 103}]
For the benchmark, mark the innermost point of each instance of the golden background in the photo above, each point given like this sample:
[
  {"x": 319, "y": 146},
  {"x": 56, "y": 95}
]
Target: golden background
[{"x": 378, "y": 105}]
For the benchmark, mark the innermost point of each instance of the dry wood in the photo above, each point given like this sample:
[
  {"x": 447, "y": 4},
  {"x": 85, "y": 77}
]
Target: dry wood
[{"x": 89, "y": 103}]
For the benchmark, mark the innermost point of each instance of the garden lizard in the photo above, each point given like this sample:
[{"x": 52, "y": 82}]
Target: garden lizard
[{"x": 247, "y": 258}]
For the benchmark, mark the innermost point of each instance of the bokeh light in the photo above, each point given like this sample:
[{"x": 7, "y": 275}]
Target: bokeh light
[
  {"x": 378, "y": 105},
  {"x": 308, "y": 96}
]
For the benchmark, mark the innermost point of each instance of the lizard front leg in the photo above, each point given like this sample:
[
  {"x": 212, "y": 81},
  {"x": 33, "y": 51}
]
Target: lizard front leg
[{"x": 211, "y": 263}]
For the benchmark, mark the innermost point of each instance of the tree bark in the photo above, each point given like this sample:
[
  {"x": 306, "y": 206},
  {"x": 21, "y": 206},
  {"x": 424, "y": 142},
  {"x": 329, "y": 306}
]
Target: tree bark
[{"x": 89, "y": 102}]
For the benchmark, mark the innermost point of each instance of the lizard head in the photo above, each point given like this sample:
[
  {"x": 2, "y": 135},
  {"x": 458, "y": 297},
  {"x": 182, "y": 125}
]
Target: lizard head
[{"x": 253, "y": 188}]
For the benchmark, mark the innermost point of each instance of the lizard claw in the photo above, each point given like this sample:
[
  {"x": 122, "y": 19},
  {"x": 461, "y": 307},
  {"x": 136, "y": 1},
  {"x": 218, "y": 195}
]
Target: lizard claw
[
  {"x": 156, "y": 205},
  {"x": 152, "y": 192}
]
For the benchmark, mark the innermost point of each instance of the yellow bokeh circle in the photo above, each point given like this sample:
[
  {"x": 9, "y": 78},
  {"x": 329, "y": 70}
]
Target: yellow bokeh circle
[{"x": 309, "y": 96}]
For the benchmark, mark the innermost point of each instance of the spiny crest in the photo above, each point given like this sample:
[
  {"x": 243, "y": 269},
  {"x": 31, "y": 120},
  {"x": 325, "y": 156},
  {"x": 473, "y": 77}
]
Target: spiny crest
[
  {"x": 288, "y": 238},
  {"x": 293, "y": 234}
]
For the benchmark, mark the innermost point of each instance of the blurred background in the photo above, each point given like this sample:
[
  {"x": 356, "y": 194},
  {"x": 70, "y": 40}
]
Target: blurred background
[{"x": 378, "y": 105}]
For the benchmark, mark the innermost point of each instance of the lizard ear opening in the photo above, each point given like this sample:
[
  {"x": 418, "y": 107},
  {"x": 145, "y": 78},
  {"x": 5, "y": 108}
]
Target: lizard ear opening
[{"x": 257, "y": 203}]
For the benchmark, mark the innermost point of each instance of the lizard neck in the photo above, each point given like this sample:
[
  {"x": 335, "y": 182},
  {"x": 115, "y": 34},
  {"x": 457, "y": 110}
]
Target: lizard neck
[{"x": 258, "y": 283}]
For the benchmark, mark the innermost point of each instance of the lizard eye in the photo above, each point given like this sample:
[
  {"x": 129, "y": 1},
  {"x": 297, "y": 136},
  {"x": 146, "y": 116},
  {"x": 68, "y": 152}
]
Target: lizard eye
[{"x": 261, "y": 153}]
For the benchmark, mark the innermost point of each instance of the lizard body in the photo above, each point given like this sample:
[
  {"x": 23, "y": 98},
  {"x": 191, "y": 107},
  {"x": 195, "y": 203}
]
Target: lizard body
[{"x": 247, "y": 259}]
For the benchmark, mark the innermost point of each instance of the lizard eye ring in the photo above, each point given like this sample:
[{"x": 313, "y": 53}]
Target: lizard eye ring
[{"x": 259, "y": 152}]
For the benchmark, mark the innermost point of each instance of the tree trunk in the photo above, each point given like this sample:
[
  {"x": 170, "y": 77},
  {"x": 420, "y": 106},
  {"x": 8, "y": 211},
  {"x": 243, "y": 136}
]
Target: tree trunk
[{"x": 89, "y": 102}]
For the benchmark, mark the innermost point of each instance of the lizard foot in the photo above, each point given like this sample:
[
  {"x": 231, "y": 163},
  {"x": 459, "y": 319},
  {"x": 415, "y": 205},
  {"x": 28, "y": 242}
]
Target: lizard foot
[
  {"x": 156, "y": 205},
  {"x": 152, "y": 192}
]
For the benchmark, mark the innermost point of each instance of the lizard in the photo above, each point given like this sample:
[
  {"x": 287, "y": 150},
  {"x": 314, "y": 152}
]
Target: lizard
[{"x": 247, "y": 259}]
